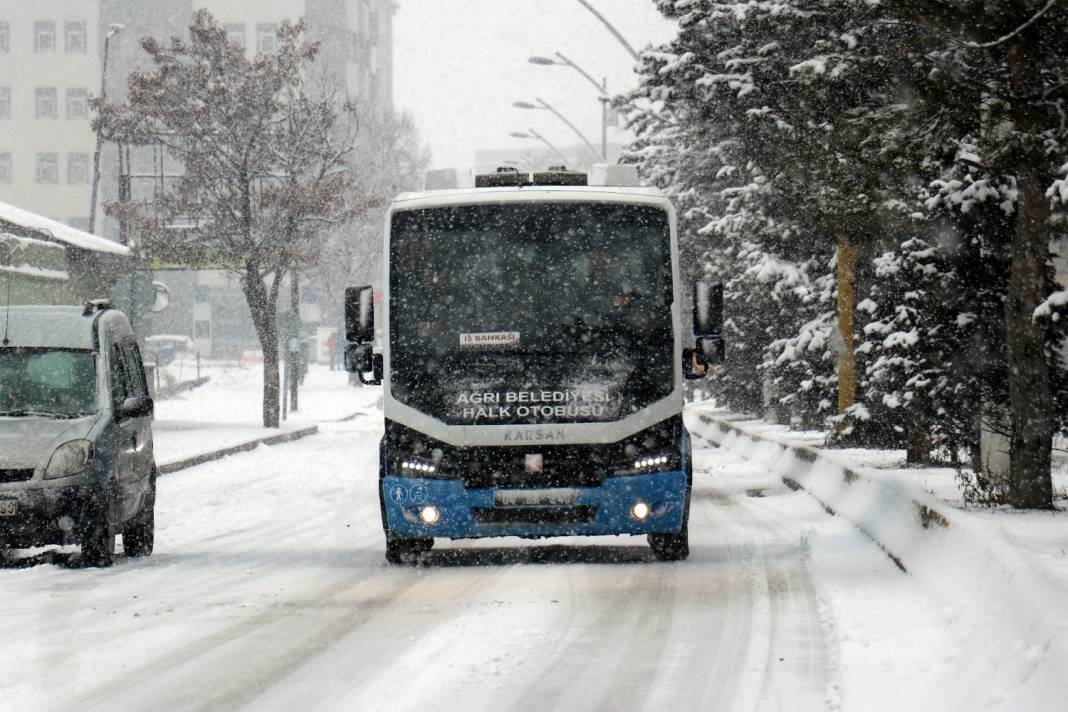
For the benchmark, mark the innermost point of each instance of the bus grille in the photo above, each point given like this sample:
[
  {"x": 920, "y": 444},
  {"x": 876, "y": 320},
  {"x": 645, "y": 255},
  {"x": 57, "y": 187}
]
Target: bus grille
[{"x": 582, "y": 514}]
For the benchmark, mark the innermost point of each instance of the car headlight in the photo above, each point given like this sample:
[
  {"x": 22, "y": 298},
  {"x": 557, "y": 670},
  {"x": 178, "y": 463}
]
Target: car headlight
[{"x": 70, "y": 458}]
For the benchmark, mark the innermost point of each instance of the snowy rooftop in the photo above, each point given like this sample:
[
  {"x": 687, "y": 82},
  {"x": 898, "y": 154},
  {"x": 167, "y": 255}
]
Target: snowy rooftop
[{"x": 58, "y": 231}]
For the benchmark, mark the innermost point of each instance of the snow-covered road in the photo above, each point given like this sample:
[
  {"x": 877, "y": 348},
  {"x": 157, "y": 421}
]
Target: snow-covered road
[{"x": 268, "y": 590}]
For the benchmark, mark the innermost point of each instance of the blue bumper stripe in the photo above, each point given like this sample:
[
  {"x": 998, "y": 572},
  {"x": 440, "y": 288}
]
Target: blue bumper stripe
[{"x": 664, "y": 492}]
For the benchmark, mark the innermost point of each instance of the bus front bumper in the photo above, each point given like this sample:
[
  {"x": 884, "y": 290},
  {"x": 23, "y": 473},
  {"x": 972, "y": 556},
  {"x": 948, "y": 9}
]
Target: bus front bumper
[{"x": 632, "y": 504}]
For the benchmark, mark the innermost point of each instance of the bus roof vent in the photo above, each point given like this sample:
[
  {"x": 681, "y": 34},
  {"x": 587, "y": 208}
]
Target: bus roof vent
[
  {"x": 615, "y": 176},
  {"x": 559, "y": 177},
  {"x": 505, "y": 176}
]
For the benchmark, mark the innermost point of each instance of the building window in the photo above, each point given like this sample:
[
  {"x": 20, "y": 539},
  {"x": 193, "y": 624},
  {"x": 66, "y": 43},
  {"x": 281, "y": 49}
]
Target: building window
[
  {"x": 48, "y": 168},
  {"x": 266, "y": 37},
  {"x": 201, "y": 294},
  {"x": 74, "y": 33},
  {"x": 77, "y": 168},
  {"x": 235, "y": 33},
  {"x": 202, "y": 329},
  {"x": 44, "y": 36},
  {"x": 46, "y": 103},
  {"x": 5, "y": 37},
  {"x": 5, "y": 168},
  {"x": 5, "y": 102},
  {"x": 77, "y": 103}
]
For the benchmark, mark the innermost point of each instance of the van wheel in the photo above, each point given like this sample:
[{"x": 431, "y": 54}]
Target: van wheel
[
  {"x": 139, "y": 535},
  {"x": 406, "y": 551},
  {"x": 671, "y": 547},
  {"x": 98, "y": 544}
]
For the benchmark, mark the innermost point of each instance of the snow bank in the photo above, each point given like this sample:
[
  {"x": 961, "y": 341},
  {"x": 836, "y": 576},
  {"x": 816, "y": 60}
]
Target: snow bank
[{"x": 1007, "y": 614}]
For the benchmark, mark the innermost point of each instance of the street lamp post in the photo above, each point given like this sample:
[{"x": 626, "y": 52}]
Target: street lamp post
[
  {"x": 531, "y": 133},
  {"x": 602, "y": 91},
  {"x": 112, "y": 29},
  {"x": 611, "y": 28},
  {"x": 545, "y": 105}
]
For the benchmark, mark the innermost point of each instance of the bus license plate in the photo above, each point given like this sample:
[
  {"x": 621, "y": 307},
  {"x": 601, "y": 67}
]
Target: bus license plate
[
  {"x": 534, "y": 497},
  {"x": 8, "y": 507}
]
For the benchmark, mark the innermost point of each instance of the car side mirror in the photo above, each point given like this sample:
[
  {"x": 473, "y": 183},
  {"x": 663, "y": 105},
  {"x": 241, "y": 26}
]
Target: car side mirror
[
  {"x": 136, "y": 407},
  {"x": 359, "y": 315}
]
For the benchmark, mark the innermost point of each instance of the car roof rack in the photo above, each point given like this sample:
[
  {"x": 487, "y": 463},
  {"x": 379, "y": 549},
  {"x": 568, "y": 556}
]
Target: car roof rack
[{"x": 92, "y": 306}]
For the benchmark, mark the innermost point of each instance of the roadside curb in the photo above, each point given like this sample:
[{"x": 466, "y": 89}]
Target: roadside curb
[
  {"x": 924, "y": 508},
  {"x": 234, "y": 449}
]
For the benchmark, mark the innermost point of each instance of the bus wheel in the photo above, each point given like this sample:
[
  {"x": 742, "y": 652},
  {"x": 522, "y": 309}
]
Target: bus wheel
[
  {"x": 406, "y": 551},
  {"x": 671, "y": 547}
]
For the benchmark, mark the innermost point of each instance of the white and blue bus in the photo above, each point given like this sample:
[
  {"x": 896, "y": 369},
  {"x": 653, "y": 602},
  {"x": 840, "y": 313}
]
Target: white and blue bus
[{"x": 532, "y": 359}]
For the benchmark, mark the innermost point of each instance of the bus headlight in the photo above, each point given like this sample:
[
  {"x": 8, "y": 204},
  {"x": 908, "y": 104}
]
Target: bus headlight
[
  {"x": 417, "y": 467},
  {"x": 649, "y": 464},
  {"x": 430, "y": 515}
]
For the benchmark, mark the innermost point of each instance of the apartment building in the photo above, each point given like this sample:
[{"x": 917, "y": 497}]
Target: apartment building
[
  {"x": 49, "y": 67},
  {"x": 51, "y": 54}
]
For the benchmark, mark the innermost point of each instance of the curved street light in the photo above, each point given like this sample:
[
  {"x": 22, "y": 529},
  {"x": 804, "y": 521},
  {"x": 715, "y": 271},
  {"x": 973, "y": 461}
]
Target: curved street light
[
  {"x": 602, "y": 90},
  {"x": 611, "y": 28},
  {"x": 531, "y": 133},
  {"x": 562, "y": 61},
  {"x": 545, "y": 105}
]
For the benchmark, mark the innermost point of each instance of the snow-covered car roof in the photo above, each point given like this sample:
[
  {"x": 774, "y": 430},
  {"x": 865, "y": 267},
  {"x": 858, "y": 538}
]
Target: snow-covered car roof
[
  {"x": 60, "y": 327},
  {"x": 56, "y": 230}
]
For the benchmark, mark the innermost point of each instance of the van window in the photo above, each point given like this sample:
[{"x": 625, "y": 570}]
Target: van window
[
  {"x": 136, "y": 385},
  {"x": 117, "y": 374}
]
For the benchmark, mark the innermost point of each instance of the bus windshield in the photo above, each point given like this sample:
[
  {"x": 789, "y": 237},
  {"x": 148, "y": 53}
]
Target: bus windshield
[{"x": 523, "y": 294}]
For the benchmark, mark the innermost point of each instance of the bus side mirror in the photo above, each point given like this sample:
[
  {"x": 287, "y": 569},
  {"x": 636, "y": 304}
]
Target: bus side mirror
[
  {"x": 361, "y": 360},
  {"x": 708, "y": 321},
  {"x": 359, "y": 315}
]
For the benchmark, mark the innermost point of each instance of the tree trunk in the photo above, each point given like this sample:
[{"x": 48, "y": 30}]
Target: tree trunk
[
  {"x": 1030, "y": 399},
  {"x": 917, "y": 445},
  {"x": 297, "y": 358},
  {"x": 261, "y": 304}
]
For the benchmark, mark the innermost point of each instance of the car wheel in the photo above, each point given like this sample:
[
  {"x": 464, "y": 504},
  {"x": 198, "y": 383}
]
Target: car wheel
[
  {"x": 139, "y": 535},
  {"x": 671, "y": 547},
  {"x": 406, "y": 551}
]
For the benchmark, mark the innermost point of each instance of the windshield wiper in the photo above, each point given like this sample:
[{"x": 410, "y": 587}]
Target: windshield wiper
[{"x": 37, "y": 414}]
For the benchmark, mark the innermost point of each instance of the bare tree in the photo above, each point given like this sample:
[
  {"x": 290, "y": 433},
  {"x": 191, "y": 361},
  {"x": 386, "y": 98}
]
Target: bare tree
[{"x": 267, "y": 164}]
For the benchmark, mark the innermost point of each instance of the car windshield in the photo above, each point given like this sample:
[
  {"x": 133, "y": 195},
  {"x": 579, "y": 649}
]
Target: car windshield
[{"x": 47, "y": 382}]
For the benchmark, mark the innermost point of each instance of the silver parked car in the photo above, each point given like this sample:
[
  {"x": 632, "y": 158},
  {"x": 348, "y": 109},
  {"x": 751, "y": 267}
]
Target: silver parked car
[{"x": 76, "y": 457}]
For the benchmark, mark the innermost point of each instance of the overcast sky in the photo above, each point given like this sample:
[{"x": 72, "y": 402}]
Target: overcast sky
[{"x": 460, "y": 64}]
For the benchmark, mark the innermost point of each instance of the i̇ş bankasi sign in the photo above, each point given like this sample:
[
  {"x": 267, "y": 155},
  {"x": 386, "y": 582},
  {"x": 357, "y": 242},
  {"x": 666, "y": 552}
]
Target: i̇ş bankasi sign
[{"x": 489, "y": 339}]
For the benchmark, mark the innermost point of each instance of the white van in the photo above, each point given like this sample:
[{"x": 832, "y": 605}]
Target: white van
[{"x": 76, "y": 457}]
